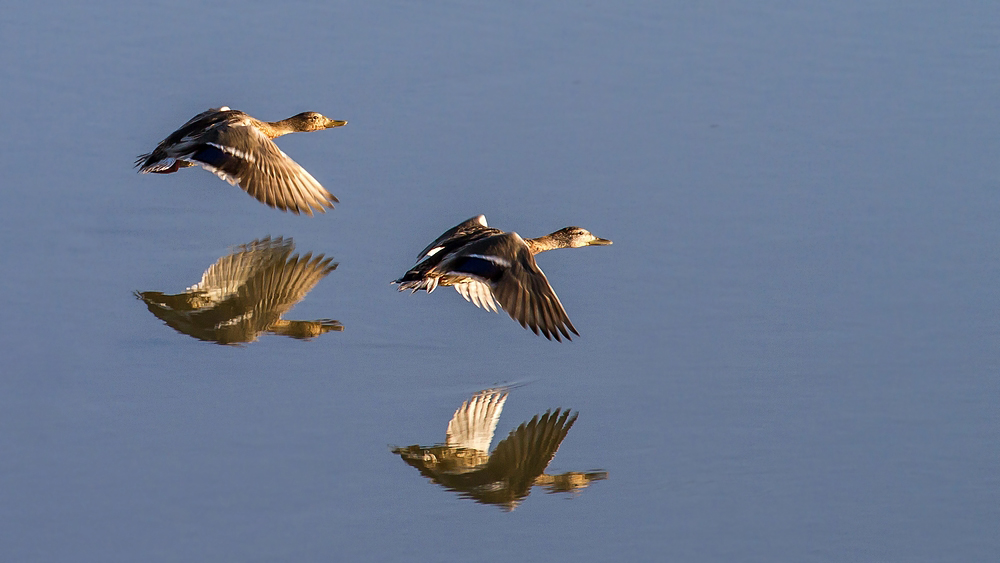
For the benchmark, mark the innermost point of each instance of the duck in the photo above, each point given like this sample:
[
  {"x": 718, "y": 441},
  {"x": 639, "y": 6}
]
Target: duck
[
  {"x": 245, "y": 294},
  {"x": 488, "y": 266},
  {"x": 505, "y": 477},
  {"x": 239, "y": 149}
]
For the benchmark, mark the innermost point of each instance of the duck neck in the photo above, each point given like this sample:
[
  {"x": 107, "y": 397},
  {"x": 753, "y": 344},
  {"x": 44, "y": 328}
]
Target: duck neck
[
  {"x": 541, "y": 244},
  {"x": 276, "y": 128}
]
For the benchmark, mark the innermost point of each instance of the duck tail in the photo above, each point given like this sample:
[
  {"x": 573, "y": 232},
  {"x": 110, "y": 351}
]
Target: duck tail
[
  {"x": 414, "y": 283},
  {"x": 156, "y": 161},
  {"x": 142, "y": 161}
]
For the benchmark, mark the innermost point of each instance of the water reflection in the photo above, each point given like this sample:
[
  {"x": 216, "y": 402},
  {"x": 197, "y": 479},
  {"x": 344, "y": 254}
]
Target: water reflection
[
  {"x": 245, "y": 294},
  {"x": 463, "y": 463}
]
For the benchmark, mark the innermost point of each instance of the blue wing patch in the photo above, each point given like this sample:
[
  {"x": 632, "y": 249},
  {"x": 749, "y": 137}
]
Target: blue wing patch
[
  {"x": 212, "y": 156},
  {"x": 478, "y": 267},
  {"x": 218, "y": 159}
]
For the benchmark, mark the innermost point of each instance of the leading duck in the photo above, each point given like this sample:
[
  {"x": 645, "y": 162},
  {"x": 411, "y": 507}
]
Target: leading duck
[
  {"x": 239, "y": 149},
  {"x": 487, "y": 265}
]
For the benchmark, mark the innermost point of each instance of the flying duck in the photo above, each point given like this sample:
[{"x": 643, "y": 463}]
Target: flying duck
[
  {"x": 488, "y": 266},
  {"x": 238, "y": 148}
]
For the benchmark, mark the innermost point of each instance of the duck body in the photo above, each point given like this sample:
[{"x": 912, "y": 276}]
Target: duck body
[
  {"x": 488, "y": 266},
  {"x": 426, "y": 274},
  {"x": 239, "y": 149}
]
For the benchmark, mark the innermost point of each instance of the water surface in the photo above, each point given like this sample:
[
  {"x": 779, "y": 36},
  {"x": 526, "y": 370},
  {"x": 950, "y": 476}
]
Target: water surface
[{"x": 789, "y": 353}]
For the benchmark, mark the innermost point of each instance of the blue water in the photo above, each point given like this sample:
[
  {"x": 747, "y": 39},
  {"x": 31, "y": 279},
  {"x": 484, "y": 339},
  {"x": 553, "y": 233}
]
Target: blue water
[{"x": 788, "y": 354}]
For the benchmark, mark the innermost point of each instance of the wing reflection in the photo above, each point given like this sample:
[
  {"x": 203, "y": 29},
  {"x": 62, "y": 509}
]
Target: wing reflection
[
  {"x": 464, "y": 465},
  {"x": 245, "y": 294}
]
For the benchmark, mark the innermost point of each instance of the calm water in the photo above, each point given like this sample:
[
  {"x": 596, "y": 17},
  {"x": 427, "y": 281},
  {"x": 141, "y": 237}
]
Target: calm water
[{"x": 789, "y": 354}]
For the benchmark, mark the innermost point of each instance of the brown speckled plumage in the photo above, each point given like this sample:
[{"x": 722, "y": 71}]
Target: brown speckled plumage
[
  {"x": 238, "y": 148},
  {"x": 488, "y": 266}
]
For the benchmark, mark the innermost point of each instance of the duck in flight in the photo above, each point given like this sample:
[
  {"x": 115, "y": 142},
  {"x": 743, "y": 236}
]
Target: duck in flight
[
  {"x": 488, "y": 266},
  {"x": 239, "y": 149}
]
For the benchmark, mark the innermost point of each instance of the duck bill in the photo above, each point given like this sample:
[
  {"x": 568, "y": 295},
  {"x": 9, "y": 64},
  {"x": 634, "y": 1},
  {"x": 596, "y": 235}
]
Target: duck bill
[
  {"x": 599, "y": 242},
  {"x": 335, "y": 123}
]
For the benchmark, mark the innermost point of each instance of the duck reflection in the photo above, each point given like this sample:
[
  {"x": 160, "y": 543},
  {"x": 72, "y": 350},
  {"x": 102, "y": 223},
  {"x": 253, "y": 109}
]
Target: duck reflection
[
  {"x": 245, "y": 294},
  {"x": 505, "y": 477}
]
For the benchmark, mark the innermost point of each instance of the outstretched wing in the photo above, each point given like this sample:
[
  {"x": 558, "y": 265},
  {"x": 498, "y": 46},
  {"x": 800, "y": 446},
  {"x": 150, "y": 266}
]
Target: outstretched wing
[
  {"x": 506, "y": 265},
  {"x": 527, "y": 451},
  {"x": 164, "y": 156},
  {"x": 441, "y": 249},
  {"x": 242, "y": 155},
  {"x": 473, "y": 424},
  {"x": 477, "y": 293},
  {"x": 229, "y": 273},
  {"x": 459, "y": 236},
  {"x": 274, "y": 290}
]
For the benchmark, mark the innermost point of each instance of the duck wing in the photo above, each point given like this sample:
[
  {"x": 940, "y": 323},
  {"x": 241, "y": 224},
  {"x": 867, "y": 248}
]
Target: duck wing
[
  {"x": 202, "y": 122},
  {"x": 224, "y": 278},
  {"x": 273, "y": 290},
  {"x": 177, "y": 143},
  {"x": 443, "y": 247},
  {"x": 473, "y": 424},
  {"x": 458, "y": 236},
  {"x": 475, "y": 292},
  {"x": 505, "y": 264},
  {"x": 240, "y": 154},
  {"x": 524, "y": 454}
]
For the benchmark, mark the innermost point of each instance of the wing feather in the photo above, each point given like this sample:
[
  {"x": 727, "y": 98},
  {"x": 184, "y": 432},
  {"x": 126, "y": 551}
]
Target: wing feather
[
  {"x": 252, "y": 161},
  {"x": 506, "y": 265},
  {"x": 474, "y": 422}
]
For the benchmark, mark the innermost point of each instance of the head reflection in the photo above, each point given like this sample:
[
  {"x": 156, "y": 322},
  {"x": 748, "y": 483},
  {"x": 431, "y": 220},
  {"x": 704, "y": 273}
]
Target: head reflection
[
  {"x": 245, "y": 294},
  {"x": 463, "y": 463}
]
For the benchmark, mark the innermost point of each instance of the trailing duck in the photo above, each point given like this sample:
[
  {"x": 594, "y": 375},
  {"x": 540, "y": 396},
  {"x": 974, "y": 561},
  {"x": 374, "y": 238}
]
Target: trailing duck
[{"x": 488, "y": 266}]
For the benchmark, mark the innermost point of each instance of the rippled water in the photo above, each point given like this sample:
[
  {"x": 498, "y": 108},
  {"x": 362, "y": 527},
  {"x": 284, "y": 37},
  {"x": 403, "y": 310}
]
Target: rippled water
[{"x": 789, "y": 353}]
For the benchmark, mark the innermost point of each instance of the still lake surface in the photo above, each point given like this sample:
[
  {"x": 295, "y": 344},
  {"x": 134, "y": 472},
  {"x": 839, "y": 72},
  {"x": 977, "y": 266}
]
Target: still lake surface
[{"x": 790, "y": 353}]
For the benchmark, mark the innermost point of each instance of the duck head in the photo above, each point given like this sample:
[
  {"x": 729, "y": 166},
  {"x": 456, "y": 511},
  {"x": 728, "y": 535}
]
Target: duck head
[
  {"x": 312, "y": 121},
  {"x": 575, "y": 237}
]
